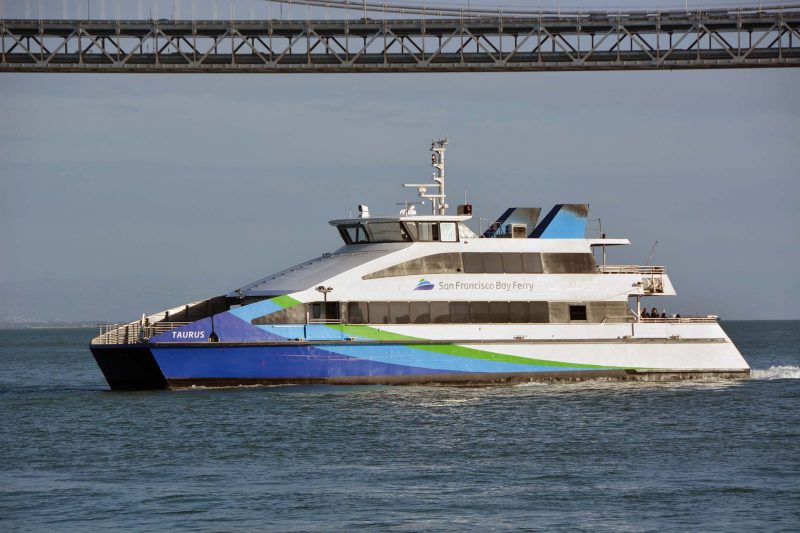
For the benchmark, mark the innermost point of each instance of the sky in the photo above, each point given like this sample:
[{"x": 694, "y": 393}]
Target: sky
[{"x": 124, "y": 194}]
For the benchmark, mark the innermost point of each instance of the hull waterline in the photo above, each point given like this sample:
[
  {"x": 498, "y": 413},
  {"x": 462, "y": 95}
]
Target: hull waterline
[{"x": 146, "y": 367}]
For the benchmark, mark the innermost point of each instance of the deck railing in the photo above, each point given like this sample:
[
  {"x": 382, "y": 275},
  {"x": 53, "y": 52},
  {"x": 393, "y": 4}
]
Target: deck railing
[
  {"x": 652, "y": 276},
  {"x": 632, "y": 269},
  {"x": 133, "y": 332},
  {"x": 710, "y": 319}
]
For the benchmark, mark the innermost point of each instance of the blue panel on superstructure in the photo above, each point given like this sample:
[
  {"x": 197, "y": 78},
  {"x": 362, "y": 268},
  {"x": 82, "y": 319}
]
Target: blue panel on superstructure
[
  {"x": 255, "y": 310},
  {"x": 227, "y": 327},
  {"x": 513, "y": 215},
  {"x": 564, "y": 221}
]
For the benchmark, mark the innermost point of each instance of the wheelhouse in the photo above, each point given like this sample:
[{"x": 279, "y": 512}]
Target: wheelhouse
[{"x": 403, "y": 229}]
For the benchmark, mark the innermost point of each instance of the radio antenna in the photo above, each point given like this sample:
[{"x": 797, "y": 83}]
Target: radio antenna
[{"x": 649, "y": 257}]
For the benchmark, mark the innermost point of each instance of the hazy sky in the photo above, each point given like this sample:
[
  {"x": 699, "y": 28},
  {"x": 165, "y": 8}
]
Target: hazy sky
[{"x": 123, "y": 194}]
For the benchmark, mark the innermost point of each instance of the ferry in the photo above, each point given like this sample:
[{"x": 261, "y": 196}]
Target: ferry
[{"x": 419, "y": 298}]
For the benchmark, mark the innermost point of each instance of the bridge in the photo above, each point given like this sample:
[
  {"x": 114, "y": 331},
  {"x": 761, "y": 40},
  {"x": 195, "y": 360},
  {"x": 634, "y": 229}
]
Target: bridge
[{"x": 367, "y": 37}]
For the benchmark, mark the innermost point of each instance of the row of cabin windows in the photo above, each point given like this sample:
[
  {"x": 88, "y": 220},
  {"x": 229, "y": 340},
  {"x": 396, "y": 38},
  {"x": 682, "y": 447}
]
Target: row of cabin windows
[
  {"x": 492, "y": 263},
  {"x": 446, "y": 312}
]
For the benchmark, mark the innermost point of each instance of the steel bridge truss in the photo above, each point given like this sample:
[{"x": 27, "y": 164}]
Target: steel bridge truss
[{"x": 595, "y": 41}]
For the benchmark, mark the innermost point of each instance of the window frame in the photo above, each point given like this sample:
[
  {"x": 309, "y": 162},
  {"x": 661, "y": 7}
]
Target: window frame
[
  {"x": 403, "y": 231},
  {"x": 454, "y": 234},
  {"x": 434, "y": 232},
  {"x": 346, "y": 235}
]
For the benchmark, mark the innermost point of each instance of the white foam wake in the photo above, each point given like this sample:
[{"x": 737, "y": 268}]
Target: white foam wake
[{"x": 776, "y": 372}]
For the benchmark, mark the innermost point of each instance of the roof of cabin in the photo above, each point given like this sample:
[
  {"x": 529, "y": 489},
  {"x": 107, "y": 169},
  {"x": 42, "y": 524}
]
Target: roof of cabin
[{"x": 398, "y": 218}]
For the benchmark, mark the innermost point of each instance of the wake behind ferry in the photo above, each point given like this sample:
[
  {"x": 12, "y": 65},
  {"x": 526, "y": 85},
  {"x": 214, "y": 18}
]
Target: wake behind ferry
[{"x": 421, "y": 298}]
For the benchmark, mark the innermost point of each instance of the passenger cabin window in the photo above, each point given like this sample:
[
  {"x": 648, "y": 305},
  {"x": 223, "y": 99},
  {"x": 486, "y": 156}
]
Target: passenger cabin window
[
  {"x": 577, "y": 312},
  {"x": 358, "y": 312},
  {"x": 490, "y": 263},
  {"x": 456, "y": 312},
  {"x": 445, "y": 312}
]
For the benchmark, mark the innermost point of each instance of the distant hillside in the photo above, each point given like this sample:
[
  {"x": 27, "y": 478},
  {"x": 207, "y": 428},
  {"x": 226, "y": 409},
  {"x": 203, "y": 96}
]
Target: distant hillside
[{"x": 22, "y": 324}]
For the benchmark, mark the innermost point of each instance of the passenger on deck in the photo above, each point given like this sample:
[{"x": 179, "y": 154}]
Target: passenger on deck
[
  {"x": 654, "y": 313},
  {"x": 644, "y": 314},
  {"x": 663, "y": 313}
]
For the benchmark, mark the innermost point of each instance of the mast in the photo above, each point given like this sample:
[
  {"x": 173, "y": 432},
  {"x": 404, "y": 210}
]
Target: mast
[
  {"x": 437, "y": 162},
  {"x": 438, "y": 204}
]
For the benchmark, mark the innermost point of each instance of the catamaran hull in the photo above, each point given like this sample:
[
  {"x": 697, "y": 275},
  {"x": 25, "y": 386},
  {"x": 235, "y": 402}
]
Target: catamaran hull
[
  {"x": 129, "y": 367},
  {"x": 223, "y": 365}
]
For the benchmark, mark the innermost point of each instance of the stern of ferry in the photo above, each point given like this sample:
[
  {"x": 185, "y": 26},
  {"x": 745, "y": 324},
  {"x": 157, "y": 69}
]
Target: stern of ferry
[{"x": 124, "y": 357}]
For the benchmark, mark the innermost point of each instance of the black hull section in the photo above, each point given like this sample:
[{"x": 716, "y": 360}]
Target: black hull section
[{"x": 129, "y": 367}]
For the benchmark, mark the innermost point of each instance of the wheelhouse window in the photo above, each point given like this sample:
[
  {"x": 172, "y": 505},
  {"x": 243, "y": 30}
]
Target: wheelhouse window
[
  {"x": 388, "y": 232},
  {"x": 428, "y": 231},
  {"x": 435, "y": 231},
  {"x": 354, "y": 234},
  {"x": 448, "y": 232},
  {"x": 411, "y": 228},
  {"x": 465, "y": 233},
  {"x": 406, "y": 231},
  {"x": 375, "y": 232}
]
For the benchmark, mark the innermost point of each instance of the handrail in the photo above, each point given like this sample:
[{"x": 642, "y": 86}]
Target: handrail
[
  {"x": 133, "y": 332},
  {"x": 710, "y": 319},
  {"x": 631, "y": 269}
]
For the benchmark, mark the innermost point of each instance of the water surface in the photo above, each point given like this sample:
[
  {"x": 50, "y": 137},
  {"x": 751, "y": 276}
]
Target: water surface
[{"x": 599, "y": 456}]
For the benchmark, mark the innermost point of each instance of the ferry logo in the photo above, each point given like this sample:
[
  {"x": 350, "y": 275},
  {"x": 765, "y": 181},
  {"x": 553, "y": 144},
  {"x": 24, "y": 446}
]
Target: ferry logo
[{"x": 423, "y": 285}]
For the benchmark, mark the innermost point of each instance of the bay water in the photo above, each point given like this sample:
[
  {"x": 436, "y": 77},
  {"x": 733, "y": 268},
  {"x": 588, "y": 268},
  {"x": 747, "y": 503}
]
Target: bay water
[{"x": 593, "y": 456}]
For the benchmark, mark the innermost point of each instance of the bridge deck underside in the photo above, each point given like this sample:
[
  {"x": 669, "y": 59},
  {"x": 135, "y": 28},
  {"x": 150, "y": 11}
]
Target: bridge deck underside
[{"x": 421, "y": 45}]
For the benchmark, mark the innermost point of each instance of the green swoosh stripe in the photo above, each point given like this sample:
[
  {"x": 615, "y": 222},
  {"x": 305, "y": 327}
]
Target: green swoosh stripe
[{"x": 456, "y": 350}]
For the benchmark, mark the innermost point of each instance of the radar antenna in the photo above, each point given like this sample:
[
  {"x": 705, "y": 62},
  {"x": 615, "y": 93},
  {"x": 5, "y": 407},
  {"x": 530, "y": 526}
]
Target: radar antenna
[{"x": 437, "y": 161}]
